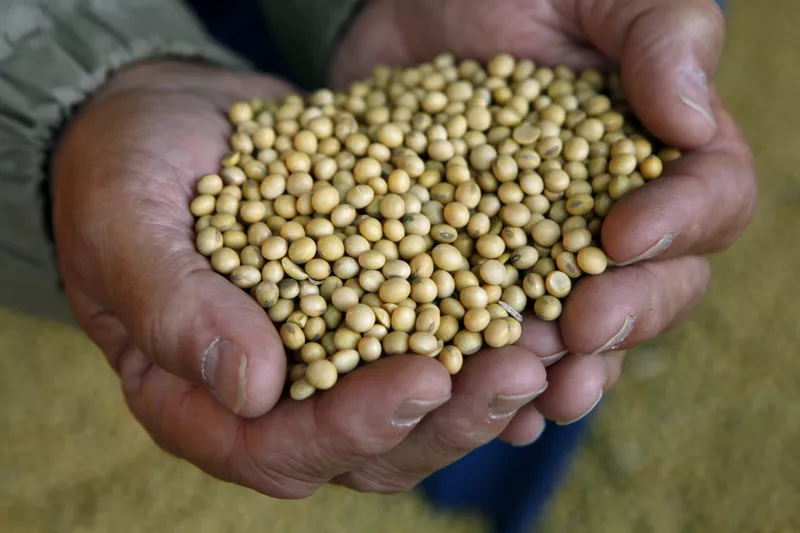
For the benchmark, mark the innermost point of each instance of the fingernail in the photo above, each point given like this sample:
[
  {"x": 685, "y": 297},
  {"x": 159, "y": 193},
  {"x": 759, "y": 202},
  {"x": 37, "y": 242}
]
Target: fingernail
[
  {"x": 505, "y": 406},
  {"x": 224, "y": 369},
  {"x": 584, "y": 415},
  {"x": 412, "y": 412},
  {"x": 536, "y": 438},
  {"x": 657, "y": 249},
  {"x": 552, "y": 359},
  {"x": 693, "y": 89},
  {"x": 618, "y": 338}
]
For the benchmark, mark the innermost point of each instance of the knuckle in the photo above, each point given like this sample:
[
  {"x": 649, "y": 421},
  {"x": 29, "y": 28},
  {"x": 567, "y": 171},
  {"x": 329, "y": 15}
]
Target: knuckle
[
  {"x": 714, "y": 15},
  {"x": 316, "y": 458},
  {"x": 703, "y": 273},
  {"x": 742, "y": 209},
  {"x": 693, "y": 286},
  {"x": 666, "y": 289},
  {"x": 738, "y": 184},
  {"x": 701, "y": 18},
  {"x": 153, "y": 328},
  {"x": 613, "y": 367},
  {"x": 749, "y": 192},
  {"x": 363, "y": 442},
  {"x": 366, "y": 445},
  {"x": 134, "y": 369},
  {"x": 682, "y": 286},
  {"x": 750, "y": 203},
  {"x": 156, "y": 420},
  {"x": 380, "y": 479},
  {"x": 462, "y": 437},
  {"x": 165, "y": 444},
  {"x": 245, "y": 467},
  {"x": 702, "y": 284},
  {"x": 162, "y": 327},
  {"x": 350, "y": 433}
]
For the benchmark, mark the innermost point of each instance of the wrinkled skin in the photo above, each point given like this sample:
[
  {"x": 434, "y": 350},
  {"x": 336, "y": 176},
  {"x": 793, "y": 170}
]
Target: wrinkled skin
[{"x": 124, "y": 176}]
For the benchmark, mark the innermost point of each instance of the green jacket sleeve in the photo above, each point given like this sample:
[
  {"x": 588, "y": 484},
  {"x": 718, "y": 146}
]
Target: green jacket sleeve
[
  {"x": 53, "y": 55},
  {"x": 307, "y": 33}
]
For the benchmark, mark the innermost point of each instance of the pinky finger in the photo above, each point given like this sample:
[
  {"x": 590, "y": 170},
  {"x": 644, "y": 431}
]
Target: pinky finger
[
  {"x": 577, "y": 385},
  {"x": 526, "y": 427},
  {"x": 613, "y": 362}
]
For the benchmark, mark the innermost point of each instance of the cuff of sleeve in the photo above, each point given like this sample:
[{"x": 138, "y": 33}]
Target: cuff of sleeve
[
  {"x": 51, "y": 60},
  {"x": 308, "y": 32}
]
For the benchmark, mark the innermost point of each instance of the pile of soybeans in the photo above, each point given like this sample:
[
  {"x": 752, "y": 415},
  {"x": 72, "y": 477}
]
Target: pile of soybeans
[{"x": 420, "y": 211}]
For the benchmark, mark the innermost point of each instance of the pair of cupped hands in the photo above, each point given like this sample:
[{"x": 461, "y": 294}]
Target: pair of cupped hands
[{"x": 201, "y": 365}]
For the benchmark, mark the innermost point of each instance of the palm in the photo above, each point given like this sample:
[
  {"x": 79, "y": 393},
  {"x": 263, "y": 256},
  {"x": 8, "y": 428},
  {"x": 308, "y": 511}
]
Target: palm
[
  {"x": 412, "y": 32},
  {"x": 652, "y": 42},
  {"x": 153, "y": 304},
  {"x": 133, "y": 188},
  {"x": 143, "y": 178}
]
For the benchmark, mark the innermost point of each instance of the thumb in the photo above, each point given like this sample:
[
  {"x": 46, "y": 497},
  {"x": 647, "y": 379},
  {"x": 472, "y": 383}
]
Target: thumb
[
  {"x": 191, "y": 321},
  {"x": 132, "y": 240},
  {"x": 668, "y": 52}
]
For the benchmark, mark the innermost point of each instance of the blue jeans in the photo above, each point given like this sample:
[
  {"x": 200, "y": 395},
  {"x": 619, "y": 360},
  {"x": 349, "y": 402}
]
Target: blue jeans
[{"x": 511, "y": 485}]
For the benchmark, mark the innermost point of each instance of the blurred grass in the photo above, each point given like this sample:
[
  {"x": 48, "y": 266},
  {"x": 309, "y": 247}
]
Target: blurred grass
[
  {"x": 702, "y": 434},
  {"x": 72, "y": 460}
]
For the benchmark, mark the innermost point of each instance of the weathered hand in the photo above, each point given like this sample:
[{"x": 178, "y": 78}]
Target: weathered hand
[
  {"x": 667, "y": 53},
  {"x": 201, "y": 365}
]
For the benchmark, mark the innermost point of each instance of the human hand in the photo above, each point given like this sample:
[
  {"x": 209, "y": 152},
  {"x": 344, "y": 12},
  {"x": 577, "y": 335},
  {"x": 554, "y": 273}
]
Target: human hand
[
  {"x": 661, "y": 233},
  {"x": 124, "y": 177}
]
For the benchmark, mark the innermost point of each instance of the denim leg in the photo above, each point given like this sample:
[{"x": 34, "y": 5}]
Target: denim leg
[
  {"x": 510, "y": 485},
  {"x": 240, "y": 25}
]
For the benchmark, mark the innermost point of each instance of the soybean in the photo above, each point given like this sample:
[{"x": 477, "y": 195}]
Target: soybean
[{"x": 421, "y": 210}]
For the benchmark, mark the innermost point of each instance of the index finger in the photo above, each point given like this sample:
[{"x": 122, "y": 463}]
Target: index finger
[
  {"x": 668, "y": 53},
  {"x": 700, "y": 205},
  {"x": 298, "y": 446}
]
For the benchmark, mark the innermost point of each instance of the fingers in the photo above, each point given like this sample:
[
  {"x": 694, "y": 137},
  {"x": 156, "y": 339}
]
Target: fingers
[
  {"x": 577, "y": 385},
  {"x": 626, "y": 306},
  {"x": 220, "y": 86},
  {"x": 407, "y": 32},
  {"x": 491, "y": 388},
  {"x": 542, "y": 339},
  {"x": 701, "y": 205},
  {"x": 668, "y": 52},
  {"x": 298, "y": 446},
  {"x": 132, "y": 246},
  {"x": 186, "y": 318},
  {"x": 194, "y": 323},
  {"x": 525, "y": 428}
]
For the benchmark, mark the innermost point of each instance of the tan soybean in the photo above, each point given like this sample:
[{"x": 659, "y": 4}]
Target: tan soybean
[{"x": 421, "y": 210}]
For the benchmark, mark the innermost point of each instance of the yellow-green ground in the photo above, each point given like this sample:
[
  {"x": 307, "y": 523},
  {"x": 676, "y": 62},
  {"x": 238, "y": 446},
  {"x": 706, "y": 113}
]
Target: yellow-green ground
[{"x": 702, "y": 435}]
